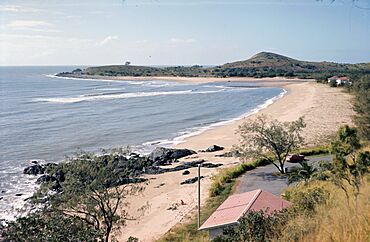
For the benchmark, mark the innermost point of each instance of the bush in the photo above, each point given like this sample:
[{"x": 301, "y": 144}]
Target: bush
[
  {"x": 50, "y": 227},
  {"x": 320, "y": 150},
  {"x": 229, "y": 174},
  {"x": 256, "y": 226},
  {"x": 305, "y": 199}
]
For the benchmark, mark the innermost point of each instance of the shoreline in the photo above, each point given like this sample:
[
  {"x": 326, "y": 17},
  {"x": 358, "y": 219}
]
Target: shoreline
[
  {"x": 181, "y": 79},
  {"x": 197, "y": 131},
  {"x": 302, "y": 98},
  {"x": 147, "y": 147}
]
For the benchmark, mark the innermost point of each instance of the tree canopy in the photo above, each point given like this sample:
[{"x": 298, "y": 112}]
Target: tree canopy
[{"x": 270, "y": 139}]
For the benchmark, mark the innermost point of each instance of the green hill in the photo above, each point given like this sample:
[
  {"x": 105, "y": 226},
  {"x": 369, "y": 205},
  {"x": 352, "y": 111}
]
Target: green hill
[
  {"x": 263, "y": 64},
  {"x": 266, "y": 64}
]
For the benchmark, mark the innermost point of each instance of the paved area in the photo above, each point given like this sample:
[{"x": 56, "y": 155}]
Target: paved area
[{"x": 265, "y": 177}]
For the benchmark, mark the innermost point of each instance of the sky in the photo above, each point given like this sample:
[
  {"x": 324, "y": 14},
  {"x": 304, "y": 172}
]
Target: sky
[{"x": 181, "y": 32}]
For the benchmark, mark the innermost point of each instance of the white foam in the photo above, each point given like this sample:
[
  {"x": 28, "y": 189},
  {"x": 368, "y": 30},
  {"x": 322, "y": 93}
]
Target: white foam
[
  {"x": 111, "y": 89},
  {"x": 199, "y": 130},
  {"x": 102, "y": 96},
  {"x": 130, "y": 82}
]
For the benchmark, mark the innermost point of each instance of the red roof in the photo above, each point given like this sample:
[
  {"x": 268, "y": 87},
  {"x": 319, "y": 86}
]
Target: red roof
[
  {"x": 235, "y": 206},
  {"x": 343, "y": 78}
]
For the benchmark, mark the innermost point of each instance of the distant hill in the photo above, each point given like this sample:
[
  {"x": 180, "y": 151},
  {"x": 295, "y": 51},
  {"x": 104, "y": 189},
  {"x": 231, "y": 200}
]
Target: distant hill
[
  {"x": 266, "y": 64},
  {"x": 263, "y": 64}
]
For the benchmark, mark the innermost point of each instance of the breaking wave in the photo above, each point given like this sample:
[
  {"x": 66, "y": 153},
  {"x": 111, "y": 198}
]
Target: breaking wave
[{"x": 110, "y": 96}]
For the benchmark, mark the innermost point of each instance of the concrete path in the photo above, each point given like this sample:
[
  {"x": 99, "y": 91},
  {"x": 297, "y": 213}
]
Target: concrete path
[{"x": 265, "y": 177}]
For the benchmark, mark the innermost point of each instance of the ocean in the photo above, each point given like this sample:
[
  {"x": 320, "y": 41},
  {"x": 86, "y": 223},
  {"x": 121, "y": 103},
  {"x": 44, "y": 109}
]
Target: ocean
[{"x": 46, "y": 118}]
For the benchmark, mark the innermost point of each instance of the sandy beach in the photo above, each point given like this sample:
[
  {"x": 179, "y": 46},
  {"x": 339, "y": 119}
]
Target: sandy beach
[{"x": 324, "y": 109}]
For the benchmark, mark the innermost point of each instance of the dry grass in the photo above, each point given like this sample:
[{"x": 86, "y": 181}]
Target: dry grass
[{"x": 339, "y": 219}]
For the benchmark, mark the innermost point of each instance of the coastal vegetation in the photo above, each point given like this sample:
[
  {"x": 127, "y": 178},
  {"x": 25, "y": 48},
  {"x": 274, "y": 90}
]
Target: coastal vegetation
[
  {"x": 88, "y": 190},
  {"x": 322, "y": 199},
  {"x": 263, "y": 64},
  {"x": 272, "y": 140},
  {"x": 223, "y": 184},
  {"x": 362, "y": 105}
]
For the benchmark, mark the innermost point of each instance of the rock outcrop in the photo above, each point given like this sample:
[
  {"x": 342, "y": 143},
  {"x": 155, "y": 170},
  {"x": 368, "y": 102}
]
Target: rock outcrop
[{"x": 165, "y": 156}]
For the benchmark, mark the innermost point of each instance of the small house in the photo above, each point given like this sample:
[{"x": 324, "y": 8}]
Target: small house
[
  {"x": 343, "y": 80},
  {"x": 236, "y": 206}
]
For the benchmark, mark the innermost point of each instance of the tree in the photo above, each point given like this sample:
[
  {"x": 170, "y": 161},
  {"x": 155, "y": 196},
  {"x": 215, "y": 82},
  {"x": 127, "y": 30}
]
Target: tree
[
  {"x": 305, "y": 172},
  {"x": 349, "y": 166},
  {"x": 345, "y": 143},
  {"x": 50, "y": 226},
  {"x": 271, "y": 139},
  {"x": 362, "y": 106},
  {"x": 94, "y": 188}
]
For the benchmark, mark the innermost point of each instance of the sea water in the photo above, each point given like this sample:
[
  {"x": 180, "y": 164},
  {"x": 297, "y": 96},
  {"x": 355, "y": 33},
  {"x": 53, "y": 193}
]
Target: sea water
[{"x": 47, "y": 118}]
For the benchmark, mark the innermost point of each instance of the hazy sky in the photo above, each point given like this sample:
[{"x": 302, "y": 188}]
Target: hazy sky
[{"x": 160, "y": 32}]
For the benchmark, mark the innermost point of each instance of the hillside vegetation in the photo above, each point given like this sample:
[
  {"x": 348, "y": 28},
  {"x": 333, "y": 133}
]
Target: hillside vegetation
[{"x": 264, "y": 64}]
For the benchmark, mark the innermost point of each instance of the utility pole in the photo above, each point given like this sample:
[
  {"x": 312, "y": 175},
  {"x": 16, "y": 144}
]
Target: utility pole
[{"x": 198, "y": 196}]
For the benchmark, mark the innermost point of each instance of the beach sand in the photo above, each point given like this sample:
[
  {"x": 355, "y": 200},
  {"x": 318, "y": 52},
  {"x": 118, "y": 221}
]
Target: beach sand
[{"x": 324, "y": 109}]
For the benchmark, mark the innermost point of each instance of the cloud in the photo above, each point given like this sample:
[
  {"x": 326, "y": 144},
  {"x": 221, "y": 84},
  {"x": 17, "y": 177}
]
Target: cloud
[
  {"x": 17, "y": 9},
  {"x": 144, "y": 41},
  {"x": 32, "y": 25},
  {"x": 29, "y": 24},
  {"x": 107, "y": 39},
  {"x": 181, "y": 41},
  {"x": 22, "y": 49},
  {"x": 218, "y": 2}
]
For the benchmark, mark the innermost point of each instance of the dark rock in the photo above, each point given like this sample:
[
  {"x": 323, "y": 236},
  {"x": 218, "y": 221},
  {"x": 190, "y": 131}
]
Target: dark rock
[
  {"x": 3, "y": 191},
  {"x": 153, "y": 170},
  {"x": 160, "y": 185},
  {"x": 56, "y": 187},
  {"x": 34, "y": 170},
  {"x": 214, "y": 148},
  {"x": 77, "y": 71},
  {"x": 194, "y": 163},
  {"x": 211, "y": 165},
  {"x": 59, "y": 175},
  {"x": 34, "y": 161},
  {"x": 1, "y": 198},
  {"x": 186, "y": 172},
  {"x": 234, "y": 153},
  {"x": 191, "y": 180},
  {"x": 45, "y": 178},
  {"x": 164, "y": 156},
  {"x": 18, "y": 194},
  {"x": 159, "y": 170}
]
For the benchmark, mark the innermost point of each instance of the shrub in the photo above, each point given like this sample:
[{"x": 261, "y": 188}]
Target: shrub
[
  {"x": 256, "y": 226},
  {"x": 320, "y": 150}
]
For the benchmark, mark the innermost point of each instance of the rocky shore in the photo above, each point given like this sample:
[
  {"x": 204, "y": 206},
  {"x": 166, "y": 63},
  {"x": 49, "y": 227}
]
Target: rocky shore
[{"x": 128, "y": 167}]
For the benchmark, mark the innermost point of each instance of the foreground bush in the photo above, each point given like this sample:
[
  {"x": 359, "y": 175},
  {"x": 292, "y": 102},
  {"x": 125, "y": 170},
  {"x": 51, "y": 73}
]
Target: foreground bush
[
  {"x": 256, "y": 226},
  {"x": 50, "y": 227}
]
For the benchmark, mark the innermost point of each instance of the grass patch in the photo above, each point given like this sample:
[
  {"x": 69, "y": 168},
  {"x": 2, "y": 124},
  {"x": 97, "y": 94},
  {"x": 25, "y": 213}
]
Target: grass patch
[{"x": 319, "y": 150}]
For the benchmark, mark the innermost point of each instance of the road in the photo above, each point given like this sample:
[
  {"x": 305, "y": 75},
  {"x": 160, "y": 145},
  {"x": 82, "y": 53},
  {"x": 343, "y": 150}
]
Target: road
[{"x": 265, "y": 177}]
